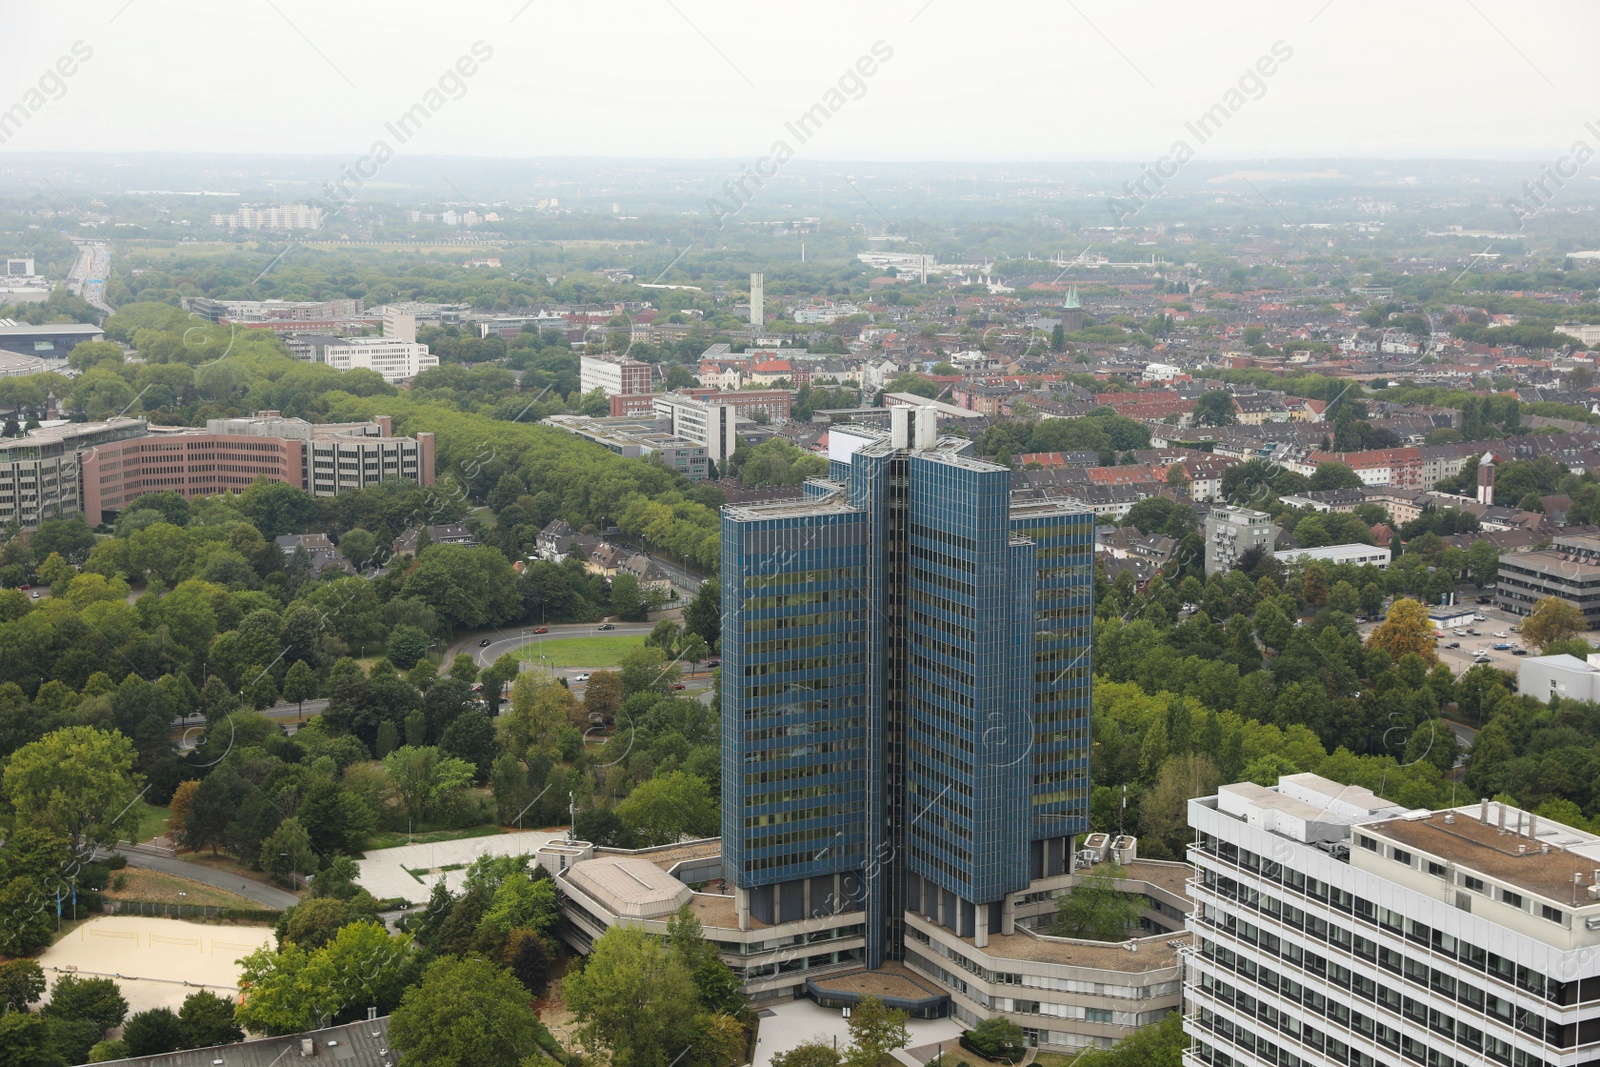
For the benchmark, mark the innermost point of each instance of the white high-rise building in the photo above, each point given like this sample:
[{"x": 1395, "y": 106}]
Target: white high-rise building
[
  {"x": 1334, "y": 927},
  {"x": 758, "y": 289}
]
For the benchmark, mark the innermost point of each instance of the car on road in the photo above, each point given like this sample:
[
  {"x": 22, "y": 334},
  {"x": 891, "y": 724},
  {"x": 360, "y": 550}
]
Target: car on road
[
  {"x": 607, "y": 626},
  {"x": 1485, "y": 600},
  {"x": 541, "y": 629},
  {"x": 1480, "y": 617},
  {"x": 484, "y": 643},
  {"x": 1473, "y": 633},
  {"x": 24, "y": 587},
  {"x": 1480, "y": 658},
  {"x": 35, "y": 594},
  {"x": 1453, "y": 644},
  {"x": 1516, "y": 629},
  {"x": 581, "y": 678},
  {"x": 1501, "y": 633},
  {"x": 1460, "y": 633},
  {"x": 1519, "y": 652},
  {"x": 713, "y": 663},
  {"x": 679, "y": 685}
]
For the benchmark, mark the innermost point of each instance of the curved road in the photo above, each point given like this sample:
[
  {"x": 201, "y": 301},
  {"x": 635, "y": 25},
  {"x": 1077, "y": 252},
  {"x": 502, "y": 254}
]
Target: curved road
[
  {"x": 266, "y": 895},
  {"x": 497, "y": 647}
]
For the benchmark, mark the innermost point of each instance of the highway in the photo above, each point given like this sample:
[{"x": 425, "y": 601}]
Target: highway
[{"x": 88, "y": 276}]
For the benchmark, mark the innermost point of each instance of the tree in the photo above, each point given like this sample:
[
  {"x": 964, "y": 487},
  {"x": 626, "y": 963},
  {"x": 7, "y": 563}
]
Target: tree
[
  {"x": 465, "y": 1013},
  {"x": 1331, "y": 475},
  {"x": 313, "y": 923},
  {"x": 1405, "y": 631},
  {"x": 1158, "y": 1045},
  {"x": 813, "y": 1053},
  {"x": 108, "y": 1052},
  {"x": 406, "y": 645},
  {"x": 602, "y": 695},
  {"x": 998, "y": 1038},
  {"x": 875, "y": 1032},
  {"x": 300, "y": 685},
  {"x": 78, "y": 779},
  {"x": 703, "y": 616},
  {"x": 365, "y": 966},
  {"x": 664, "y": 809},
  {"x": 1215, "y": 409},
  {"x": 21, "y": 984},
  {"x": 631, "y": 999},
  {"x": 1058, "y": 338},
  {"x": 627, "y": 602},
  {"x": 283, "y": 994},
  {"x": 1095, "y": 909},
  {"x": 1551, "y": 620},
  {"x": 153, "y": 1032},
  {"x": 26, "y": 1040},
  {"x": 429, "y": 784},
  {"x": 1164, "y": 811},
  {"x": 1483, "y": 563},
  {"x": 206, "y": 1020},
  {"x": 528, "y": 959},
  {"x": 95, "y": 999}
]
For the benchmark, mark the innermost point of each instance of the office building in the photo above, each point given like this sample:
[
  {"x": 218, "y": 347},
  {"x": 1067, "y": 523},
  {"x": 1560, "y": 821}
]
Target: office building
[
  {"x": 1334, "y": 927},
  {"x": 636, "y": 438},
  {"x": 1569, "y": 570},
  {"x": 396, "y": 361},
  {"x": 19, "y": 267},
  {"x": 40, "y": 473},
  {"x": 758, "y": 289},
  {"x": 230, "y": 454},
  {"x": 713, "y": 424},
  {"x": 906, "y": 694},
  {"x": 243, "y": 311},
  {"x": 1231, "y": 532},
  {"x": 614, "y": 375}
]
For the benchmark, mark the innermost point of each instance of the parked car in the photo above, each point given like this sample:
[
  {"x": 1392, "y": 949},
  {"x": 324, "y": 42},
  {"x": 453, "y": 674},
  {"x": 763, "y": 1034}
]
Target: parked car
[
  {"x": 1473, "y": 633},
  {"x": 607, "y": 626},
  {"x": 34, "y": 594},
  {"x": 1501, "y": 646},
  {"x": 581, "y": 678},
  {"x": 1519, "y": 652},
  {"x": 1453, "y": 644},
  {"x": 1460, "y": 633},
  {"x": 1501, "y": 633},
  {"x": 541, "y": 629}
]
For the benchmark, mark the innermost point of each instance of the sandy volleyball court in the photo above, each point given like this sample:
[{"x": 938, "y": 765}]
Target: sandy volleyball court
[{"x": 156, "y": 962}]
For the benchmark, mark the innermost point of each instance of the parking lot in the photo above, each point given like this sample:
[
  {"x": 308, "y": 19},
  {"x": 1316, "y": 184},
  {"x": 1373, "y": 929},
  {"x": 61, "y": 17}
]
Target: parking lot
[{"x": 1460, "y": 660}]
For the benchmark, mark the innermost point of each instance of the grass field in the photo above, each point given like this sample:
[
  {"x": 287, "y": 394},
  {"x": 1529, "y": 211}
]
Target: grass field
[
  {"x": 396, "y": 838},
  {"x": 158, "y": 888},
  {"x": 143, "y": 822},
  {"x": 582, "y": 651}
]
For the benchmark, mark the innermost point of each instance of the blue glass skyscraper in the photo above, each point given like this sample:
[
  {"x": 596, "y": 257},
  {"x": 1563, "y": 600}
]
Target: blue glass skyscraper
[{"x": 905, "y": 690}]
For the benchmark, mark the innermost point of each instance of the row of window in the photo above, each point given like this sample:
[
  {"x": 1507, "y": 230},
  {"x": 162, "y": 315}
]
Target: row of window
[
  {"x": 1336, "y": 974},
  {"x": 1345, "y": 902}
]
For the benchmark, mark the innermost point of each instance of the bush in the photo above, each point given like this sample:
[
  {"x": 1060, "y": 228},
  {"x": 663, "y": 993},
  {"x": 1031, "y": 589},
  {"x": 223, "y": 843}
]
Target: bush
[{"x": 996, "y": 1039}]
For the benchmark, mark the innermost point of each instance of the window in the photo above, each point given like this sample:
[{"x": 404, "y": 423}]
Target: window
[
  {"x": 1436, "y": 869},
  {"x": 1513, "y": 899},
  {"x": 1553, "y": 914},
  {"x": 1474, "y": 884},
  {"x": 1368, "y": 843},
  {"x": 1402, "y": 856}
]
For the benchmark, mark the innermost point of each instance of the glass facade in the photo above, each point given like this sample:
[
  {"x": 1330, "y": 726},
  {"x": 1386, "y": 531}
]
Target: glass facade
[{"x": 906, "y": 682}]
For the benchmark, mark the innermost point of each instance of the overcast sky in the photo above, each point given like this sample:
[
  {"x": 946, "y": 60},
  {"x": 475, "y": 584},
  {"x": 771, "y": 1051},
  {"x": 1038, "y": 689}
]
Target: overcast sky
[{"x": 1024, "y": 80}]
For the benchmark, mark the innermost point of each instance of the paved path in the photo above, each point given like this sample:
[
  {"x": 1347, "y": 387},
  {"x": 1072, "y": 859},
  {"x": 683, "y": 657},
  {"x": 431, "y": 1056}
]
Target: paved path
[
  {"x": 386, "y": 873},
  {"x": 265, "y": 895}
]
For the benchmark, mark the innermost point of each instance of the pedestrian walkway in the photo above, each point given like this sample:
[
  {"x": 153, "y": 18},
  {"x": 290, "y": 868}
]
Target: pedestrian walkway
[{"x": 386, "y": 872}]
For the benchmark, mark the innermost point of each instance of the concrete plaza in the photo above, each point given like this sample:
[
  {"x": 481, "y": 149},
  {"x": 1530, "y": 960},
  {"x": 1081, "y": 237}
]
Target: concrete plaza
[{"x": 387, "y": 872}]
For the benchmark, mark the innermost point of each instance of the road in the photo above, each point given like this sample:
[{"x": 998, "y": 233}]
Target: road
[
  {"x": 88, "y": 275},
  {"x": 265, "y": 895}
]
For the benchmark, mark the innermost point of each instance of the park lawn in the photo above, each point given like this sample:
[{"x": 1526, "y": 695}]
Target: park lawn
[
  {"x": 396, "y": 838},
  {"x": 581, "y": 651},
  {"x": 143, "y": 822},
  {"x": 158, "y": 888}
]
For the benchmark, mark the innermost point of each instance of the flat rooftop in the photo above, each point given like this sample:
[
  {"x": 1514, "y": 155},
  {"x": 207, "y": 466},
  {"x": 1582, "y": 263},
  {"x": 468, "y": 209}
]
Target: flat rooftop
[
  {"x": 890, "y": 980},
  {"x": 1152, "y": 955},
  {"x": 1562, "y": 874}
]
